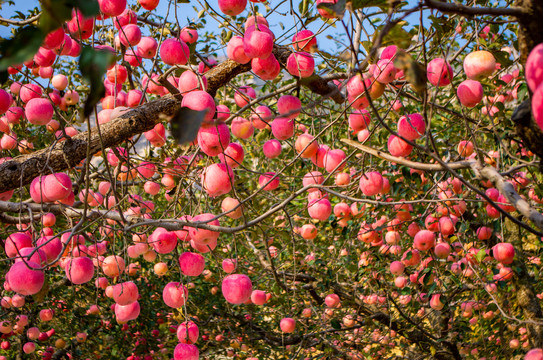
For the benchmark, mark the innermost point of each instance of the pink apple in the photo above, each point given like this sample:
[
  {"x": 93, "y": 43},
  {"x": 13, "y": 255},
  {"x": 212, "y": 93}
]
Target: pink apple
[
  {"x": 439, "y": 72},
  {"x": 187, "y": 332},
  {"x": 359, "y": 120},
  {"x": 272, "y": 149},
  {"x": 287, "y": 325},
  {"x": 39, "y": 111},
  {"x": 214, "y": 139},
  {"x": 371, "y": 183},
  {"x": 125, "y": 293},
  {"x": 398, "y": 147},
  {"x": 258, "y": 43},
  {"x": 191, "y": 264},
  {"x": 235, "y": 50},
  {"x": 289, "y": 106},
  {"x": 232, "y": 7},
  {"x": 265, "y": 181},
  {"x": 217, "y": 179},
  {"x": 79, "y": 270},
  {"x": 534, "y": 68},
  {"x": 242, "y": 128},
  {"x": 228, "y": 205},
  {"x": 411, "y": 126},
  {"x": 504, "y": 253},
  {"x": 175, "y": 295},
  {"x": 479, "y": 65},
  {"x": 174, "y": 52},
  {"x": 237, "y": 288},
  {"x": 300, "y": 64},
  {"x": 130, "y": 35},
  {"x": 186, "y": 351},
  {"x": 200, "y": 100},
  {"x": 424, "y": 240},
  {"x": 24, "y": 279},
  {"x": 470, "y": 93},
  {"x": 233, "y": 155},
  {"x": 282, "y": 128},
  {"x": 304, "y": 40}
]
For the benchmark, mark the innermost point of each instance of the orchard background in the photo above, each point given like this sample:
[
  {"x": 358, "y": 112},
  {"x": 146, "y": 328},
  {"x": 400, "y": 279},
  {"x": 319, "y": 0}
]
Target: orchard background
[{"x": 271, "y": 180}]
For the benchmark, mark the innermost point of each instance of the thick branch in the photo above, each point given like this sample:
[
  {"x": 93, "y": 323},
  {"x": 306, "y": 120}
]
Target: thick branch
[
  {"x": 412, "y": 164},
  {"x": 455, "y": 8},
  {"x": 508, "y": 190}
]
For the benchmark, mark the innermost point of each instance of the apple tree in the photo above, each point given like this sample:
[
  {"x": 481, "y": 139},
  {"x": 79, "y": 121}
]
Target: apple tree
[{"x": 271, "y": 180}]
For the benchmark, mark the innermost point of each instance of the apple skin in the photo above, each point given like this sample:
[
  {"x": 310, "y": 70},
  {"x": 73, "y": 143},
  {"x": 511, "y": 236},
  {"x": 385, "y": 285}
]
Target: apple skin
[
  {"x": 232, "y": 7},
  {"x": 504, "y": 253},
  {"x": 412, "y": 126},
  {"x": 424, "y": 240},
  {"x": 235, "y": 50},
  {"x": 439, "y": 72},
  {"x": 470, "y": 93},
  {"x": 287, "y": 325},
  {"x": 371, "y": 183},
  {"x": 257, "y": 43},
  {"x": 237, "y": 288},
  {"x": 300, "y": 64},
  {"x": 479, "y": 65},
  {"x": 174, "y": 52},
  {"x": 304, "y": 40},
  {"x": 534, "y": 67}
]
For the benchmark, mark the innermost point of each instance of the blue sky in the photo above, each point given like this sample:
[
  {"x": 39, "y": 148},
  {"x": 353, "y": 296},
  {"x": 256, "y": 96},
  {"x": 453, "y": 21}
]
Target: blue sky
[{"x": 186, "y": 11}]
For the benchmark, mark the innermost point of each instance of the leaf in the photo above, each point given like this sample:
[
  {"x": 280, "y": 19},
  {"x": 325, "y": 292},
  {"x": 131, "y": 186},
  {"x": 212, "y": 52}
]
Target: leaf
[
  {"x": 334, "y": 9},
  {"x": 359, "y": 4},
  {"x": 481, "y": 255},
  {"x": 4, "y": 76},
  {"x": 415, "y": 72},
  {"x": 89, "y": 8},
  {"x": 185, "y": 124},
  {"x": 335, "y": 324},
  {"x": 93, "y": 65},
  {"x": 22, "y": 47},
  {"x": 503, "y": 58},
  {"x": 54, "y": 13},
  {"x": 398, "y": 36}
]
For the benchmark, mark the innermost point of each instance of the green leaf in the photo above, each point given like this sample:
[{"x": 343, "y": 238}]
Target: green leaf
[
  {"x": 335, "y": 324},
  {"x": 398, "y": 36},
  {"x": 359, "y": 4},
  {"x": 54, "y": 13},
  {"x": 4, "y": 76},
  {"x": 21, "y": 47},
  {"x": 89, "y": 8},
  {"x": 503, "y": 58},
  {"x": 185, "y": 124},
  {"x": 93, "y": 65},
  {"x": 480, "y": 255},
  {"x": 334, "y": 10}
]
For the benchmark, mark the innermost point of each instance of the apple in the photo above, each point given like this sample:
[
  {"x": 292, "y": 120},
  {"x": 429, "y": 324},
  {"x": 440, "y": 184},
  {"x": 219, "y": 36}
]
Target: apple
[
  {"x": 479, "y": 64},
  {"x": 470, "y": 93},
  {"x": 287, "y": 325},
  {"x": 503, "y": 252},
  {"x": 191, "y": 264},
  {"x": 174, "y": 52},
  {"x": 371, "y": 183},
  {"x": 439, "y": 72},
  {"x": 300, "y": 64},
  {"x": 237, "y": 288}
]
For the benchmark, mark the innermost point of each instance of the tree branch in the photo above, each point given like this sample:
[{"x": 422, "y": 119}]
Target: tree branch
[
  {"x": 412, "y": 164},
  {"x": 472, "y": 11}
]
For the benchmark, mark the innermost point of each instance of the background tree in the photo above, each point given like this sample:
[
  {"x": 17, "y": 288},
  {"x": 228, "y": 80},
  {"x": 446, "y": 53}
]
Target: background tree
[{"x": 333, "y": 180}]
